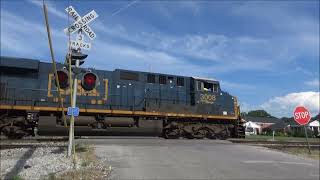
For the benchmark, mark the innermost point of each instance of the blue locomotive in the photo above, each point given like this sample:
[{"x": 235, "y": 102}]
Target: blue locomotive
[{"x": 124, "y": 102}]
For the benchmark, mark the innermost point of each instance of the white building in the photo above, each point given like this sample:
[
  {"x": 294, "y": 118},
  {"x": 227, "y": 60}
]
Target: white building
[
  {"x": 252, "y": 128},
  {"x": 315, "y": 127}
]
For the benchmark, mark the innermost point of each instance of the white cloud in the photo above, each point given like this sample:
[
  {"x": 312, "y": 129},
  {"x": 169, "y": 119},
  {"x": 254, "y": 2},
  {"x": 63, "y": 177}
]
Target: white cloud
[
  {"x": 224, "y": 53},
  {"x": 284, "y": 105},
  {"x": 313, "y": 83},
  {"x": 50, "y": 7},
  {"x": 16, "y": 40},
  {"x": 124, "y": 8},
  {"x": 246, "y": 107},
  {"x": 299, "y": 33},
  {"x": 128, "y": 57},
  {"x": 215, "y": 53}
]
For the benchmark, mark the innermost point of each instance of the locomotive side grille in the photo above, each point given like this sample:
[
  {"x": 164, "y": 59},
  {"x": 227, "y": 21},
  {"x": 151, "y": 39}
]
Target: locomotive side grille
[
  {"x": 129, "y": 76},
  {"x": 162, "y": 79},
  {"x": 151, "y": 78},
  {"x": 2, "y": 91},
  {"x": 180, "y": 81}
]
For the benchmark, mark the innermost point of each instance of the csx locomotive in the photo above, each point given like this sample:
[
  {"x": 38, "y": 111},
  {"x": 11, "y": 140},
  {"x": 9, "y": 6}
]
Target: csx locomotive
[{"x": 125, "y": 102}]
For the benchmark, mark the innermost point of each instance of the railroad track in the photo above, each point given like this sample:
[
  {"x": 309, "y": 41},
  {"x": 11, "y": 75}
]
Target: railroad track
[
  {"x": 287, "y": 145},
  {"x": 241, "y": 141},
  {"x": 32, "y": 142},
  {"x": 50, "y": 141},
  {"x": 36, "y": 139},
  {"x": 277, "y": 144},
  {"x": 14, "y": 146}
]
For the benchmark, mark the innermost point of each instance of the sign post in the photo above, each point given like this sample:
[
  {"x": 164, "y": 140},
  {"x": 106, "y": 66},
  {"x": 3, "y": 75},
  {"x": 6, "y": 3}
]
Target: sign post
[
  {"x": 302, "y": 117},
  {"x": 80, "y": 25}
]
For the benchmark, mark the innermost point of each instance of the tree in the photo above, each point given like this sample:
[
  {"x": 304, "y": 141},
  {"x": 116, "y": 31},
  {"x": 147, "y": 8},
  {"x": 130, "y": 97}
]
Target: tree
[
  {"x": 316, "y": 117},
  {"x": 259, "y": 113}
]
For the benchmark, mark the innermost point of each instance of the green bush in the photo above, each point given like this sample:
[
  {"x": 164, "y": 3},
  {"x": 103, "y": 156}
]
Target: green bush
[
  {"x": 279, "y": 133},
  {"x": 300, "y": 133}
]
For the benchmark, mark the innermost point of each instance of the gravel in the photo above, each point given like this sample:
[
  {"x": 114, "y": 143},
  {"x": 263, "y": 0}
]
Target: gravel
[{"x": 34, "y": 163}]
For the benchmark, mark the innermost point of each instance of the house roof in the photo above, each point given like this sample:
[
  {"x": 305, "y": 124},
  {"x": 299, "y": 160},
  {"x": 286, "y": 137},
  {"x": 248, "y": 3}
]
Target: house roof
[
  {"x": 282, "y": 124},
  {"x": 292, "y": 122},
  {"x": 262, "y": 119},
  {"x": 279, "y": 125}
]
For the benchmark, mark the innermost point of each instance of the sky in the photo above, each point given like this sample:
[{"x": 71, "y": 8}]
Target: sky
[{"x": 266, "y": 53}]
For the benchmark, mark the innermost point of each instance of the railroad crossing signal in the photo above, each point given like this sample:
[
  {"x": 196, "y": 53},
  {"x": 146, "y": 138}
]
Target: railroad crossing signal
[
  {"x": 63, "y": 78},
  {"x": 81, "y": 25},
  {"x": 76, "y": 55},
  {"x": 89, "y": 81},
  {"x": 81, "y": 22}
]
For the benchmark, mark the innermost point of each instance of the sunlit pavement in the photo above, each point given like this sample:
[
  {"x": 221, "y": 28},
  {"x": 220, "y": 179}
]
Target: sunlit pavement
[{"x": 155, "y": 158}]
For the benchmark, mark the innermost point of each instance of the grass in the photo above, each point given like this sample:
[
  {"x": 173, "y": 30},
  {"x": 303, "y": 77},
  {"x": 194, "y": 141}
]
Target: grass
[
  {"x": 17, "y": 177},
  {"x": 84, "y": 173},
  {"x": 300, "y": 151},
  {"x": 85, "y": 154},
  {"x": 88, "y": 166},
  {"x": 281, "y": 138}
]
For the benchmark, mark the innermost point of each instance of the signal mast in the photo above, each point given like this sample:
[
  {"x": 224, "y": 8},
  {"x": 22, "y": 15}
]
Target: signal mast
[
  {"x": 75, "y": 58},
  {"x": 89, "y": 80}
]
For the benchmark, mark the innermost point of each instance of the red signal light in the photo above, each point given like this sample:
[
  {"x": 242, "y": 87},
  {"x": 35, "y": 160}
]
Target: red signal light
[
  {"x": 63, "y": 79},
  {"x": 89, "y": 81}
]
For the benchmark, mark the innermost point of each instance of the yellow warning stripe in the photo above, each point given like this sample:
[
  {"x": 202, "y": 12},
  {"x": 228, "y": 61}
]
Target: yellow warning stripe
[{"x": 118, "y": 112}]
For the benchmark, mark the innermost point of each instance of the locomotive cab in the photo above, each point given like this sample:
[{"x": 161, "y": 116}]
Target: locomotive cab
[
  {"x": 210, "y": 99},
  {"x": 208, "y": 86},
  {"x": 206, "y": 90}
]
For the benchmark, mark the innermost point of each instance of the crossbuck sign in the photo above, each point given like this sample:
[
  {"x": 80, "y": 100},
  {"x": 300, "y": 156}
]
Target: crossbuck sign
[{"x": 81, "y": 25}]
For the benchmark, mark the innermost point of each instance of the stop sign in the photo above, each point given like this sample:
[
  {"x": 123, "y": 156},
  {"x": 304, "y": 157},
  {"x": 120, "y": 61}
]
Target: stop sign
[{"x": 301, "y": 115}]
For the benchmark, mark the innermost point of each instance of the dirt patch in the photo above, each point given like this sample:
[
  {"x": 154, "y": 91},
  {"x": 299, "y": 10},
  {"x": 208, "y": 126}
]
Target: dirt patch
[
  {"x": 299, "y": 151},
  {"x": 86, "y": 166}
]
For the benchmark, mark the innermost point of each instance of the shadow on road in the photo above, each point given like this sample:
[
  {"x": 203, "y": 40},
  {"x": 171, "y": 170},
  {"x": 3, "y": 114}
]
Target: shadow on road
[{"x": 20, "y": 164}]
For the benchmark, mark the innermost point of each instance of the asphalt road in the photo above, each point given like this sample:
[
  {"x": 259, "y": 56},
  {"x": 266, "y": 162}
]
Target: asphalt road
[{"x": 154, "y": 158}]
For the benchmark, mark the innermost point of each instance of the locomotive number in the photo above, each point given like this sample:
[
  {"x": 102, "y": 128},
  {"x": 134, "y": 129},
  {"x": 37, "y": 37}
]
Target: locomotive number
[{"x": 207, "y": 98}]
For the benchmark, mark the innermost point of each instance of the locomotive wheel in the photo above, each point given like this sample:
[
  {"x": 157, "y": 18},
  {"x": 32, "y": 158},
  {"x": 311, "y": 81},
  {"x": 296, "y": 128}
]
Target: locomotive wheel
[
  {"x": 222, "y": 135},
  {"x": 171, "y": 133},
  {"x": 13, "y": 132},
  {"x": 200, "y": 133},
  {"x": 204, "y": 132},
  {"x": 188, "y": 135}
]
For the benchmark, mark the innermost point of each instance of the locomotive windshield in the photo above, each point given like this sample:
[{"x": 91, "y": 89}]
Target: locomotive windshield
[{"x": 207, "y": 86}]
